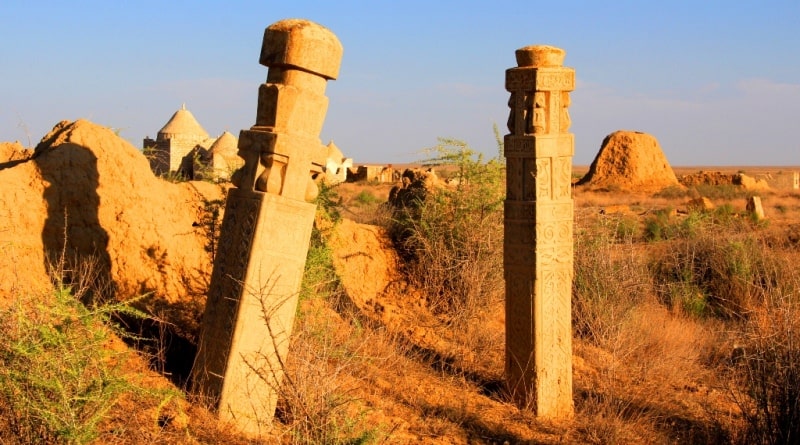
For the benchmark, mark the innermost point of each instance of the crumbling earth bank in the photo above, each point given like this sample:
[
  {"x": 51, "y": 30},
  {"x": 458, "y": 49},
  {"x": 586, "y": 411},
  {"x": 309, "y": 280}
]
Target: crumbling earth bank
[{"x": 89, "y": 196}]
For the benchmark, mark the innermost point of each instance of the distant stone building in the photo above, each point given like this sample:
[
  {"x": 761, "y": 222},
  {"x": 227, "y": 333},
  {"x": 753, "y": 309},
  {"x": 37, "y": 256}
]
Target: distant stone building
[
  {"x": 183, "y": 147},
  {"x": 374, "y": 173},
  {"x": 220, "y": 160}
]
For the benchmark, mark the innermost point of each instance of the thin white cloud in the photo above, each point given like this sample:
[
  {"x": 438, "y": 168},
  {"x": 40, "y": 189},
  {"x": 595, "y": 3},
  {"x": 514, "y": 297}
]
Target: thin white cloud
[
  {"x": 748, "y": 121},
  {"x": 768, "y": 87},
  {"x": 463, "y": 89}
]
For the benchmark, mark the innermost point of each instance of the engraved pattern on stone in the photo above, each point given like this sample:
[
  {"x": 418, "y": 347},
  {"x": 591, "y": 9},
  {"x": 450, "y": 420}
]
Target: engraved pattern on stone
[
  {"x": 516, "y": 147},
  {"x": 562, "y": 178},
  {"x": 543, "y": 178},
  {"x": 555, "y": 81},
  {"x": 538, "y": 229},
  {"x": 266, "y": 229}
]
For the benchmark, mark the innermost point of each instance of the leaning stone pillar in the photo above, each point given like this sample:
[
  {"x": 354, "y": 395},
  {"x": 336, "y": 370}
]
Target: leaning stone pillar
[
  {"x": 538, "y": 258},
  {"x": 266, "y": 229}
]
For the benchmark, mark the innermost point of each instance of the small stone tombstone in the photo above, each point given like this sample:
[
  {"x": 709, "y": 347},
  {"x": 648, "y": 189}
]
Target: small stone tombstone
[
  {"x": 701, "y": 204},
  {"x": 754, "y": 207}
]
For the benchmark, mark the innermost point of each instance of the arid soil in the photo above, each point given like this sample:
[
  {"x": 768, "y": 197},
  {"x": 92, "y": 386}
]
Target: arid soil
[{"x": 380, "y": 342}]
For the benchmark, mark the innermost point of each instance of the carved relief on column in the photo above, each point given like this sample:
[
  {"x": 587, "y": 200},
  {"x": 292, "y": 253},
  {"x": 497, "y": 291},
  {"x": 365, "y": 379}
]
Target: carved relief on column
[
  {"x": 265, "y": 232},
  {"x": 282, "y": 151},
  {"x": 564, "y": 120},
  {"x": 562, "y": 177},
  {"x": 538, "y": 244},
  {"x": 544, "y": 178}
]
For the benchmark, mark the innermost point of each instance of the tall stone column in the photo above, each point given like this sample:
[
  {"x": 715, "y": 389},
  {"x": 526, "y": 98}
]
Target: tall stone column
[
  {"x": 538, "y": 257},
  {"x": 266, "y": 229}
]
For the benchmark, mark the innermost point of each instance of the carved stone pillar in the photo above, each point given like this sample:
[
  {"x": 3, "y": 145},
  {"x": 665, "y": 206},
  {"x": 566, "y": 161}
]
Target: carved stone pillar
[
  {"x": 538, "y": 256},
  {"x": 266, "y": 229}
]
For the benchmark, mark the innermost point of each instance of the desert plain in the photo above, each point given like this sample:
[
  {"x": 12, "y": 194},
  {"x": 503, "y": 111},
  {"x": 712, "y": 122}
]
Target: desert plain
[{"x": 684, "y": 312}]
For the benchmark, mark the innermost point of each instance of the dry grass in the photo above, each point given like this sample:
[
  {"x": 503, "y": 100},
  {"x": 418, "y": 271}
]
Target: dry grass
[{"x": 691, "y": 338}]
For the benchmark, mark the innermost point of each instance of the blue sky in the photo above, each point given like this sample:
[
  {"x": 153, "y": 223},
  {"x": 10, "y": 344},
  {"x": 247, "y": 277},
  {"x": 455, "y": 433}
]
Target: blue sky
[{"x": 717, "y": 82}]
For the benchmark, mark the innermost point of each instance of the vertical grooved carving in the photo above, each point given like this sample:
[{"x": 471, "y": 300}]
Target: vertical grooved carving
[{"x": 538, "y": 244}]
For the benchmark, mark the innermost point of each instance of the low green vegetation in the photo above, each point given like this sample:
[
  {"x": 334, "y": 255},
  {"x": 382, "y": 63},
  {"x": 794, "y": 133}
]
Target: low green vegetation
[
  {"x": 452, "y": 238},
  {"x": 717, "y": 272},
  {"x": 59, "y": 375},
  {"x": 365, "y": 197}
]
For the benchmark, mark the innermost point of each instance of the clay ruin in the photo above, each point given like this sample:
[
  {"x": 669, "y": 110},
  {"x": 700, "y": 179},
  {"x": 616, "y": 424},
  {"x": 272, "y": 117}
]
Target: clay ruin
[
  {"x": 266, "y": 229},
  {"x": 375, "y": 173},
  {"x": 630, "y": 161},
  {"x": 89, "y": 194},
  {"x": 538, "y": 245},
  {"x": 717, "y": 178}
]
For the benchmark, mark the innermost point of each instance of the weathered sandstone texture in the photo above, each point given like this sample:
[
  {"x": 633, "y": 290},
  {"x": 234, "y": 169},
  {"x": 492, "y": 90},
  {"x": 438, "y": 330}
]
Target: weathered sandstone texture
[
  {"x": 265, "y": 233},
  {"x": 755, "y": 208},
  {"x": 538, "y": 245},
  {"x": 88, "y": 197}
]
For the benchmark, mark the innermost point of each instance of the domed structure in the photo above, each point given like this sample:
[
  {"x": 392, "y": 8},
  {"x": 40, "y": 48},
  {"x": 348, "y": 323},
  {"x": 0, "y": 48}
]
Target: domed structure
[
  {"x": 182, "y": 124},
  {"x": 223, "y": 158},
  {"x": 225, "y": 145},
  {"x": 176, "y": 140}
]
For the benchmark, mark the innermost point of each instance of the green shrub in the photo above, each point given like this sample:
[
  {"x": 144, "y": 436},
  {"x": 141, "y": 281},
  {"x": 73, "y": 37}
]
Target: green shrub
[
  {"x": 610, "y": 281},
  {"x": 627, "y": 229},
  {"x": 366, "y": 198},
  {"x": 319, "y": 276},
  {"x": 724, "y": 214},
  {"x": 722, "y": 273},
  {"x": 659, "y": 226},
  {"x": 58, "y": 376},
  {"x": 452, "y": 237},
  {"x": 673, "y": 192},
  {"x": 211, "y": 223},
  {"x": 328, "y": 202},
  {"x": 693, "y": 224}
]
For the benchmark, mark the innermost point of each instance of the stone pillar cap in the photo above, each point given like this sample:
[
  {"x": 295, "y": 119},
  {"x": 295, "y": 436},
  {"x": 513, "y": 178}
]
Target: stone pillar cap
[
  {"x": 538, "y": 56},
  {"x": 304, "y": 45}
]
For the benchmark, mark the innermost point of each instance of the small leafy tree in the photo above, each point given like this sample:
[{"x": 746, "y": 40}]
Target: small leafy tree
[{"x": 453, "y": 237}]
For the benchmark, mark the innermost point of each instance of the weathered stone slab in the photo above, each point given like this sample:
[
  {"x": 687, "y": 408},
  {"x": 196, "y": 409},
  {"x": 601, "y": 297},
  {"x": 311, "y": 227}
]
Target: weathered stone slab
[{"x": 754, "y": 207}]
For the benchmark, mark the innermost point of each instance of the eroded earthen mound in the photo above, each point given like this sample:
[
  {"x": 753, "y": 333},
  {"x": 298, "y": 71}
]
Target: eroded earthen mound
[
  {"x": 13, "y": 151},
  {"x": 706, "y": 178},
  {"x": 719, "y": 178},
  {"x": 630, "y": 161},
  {"x": 369, "y": 268},
  {"x": 89, "y": 197}
]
